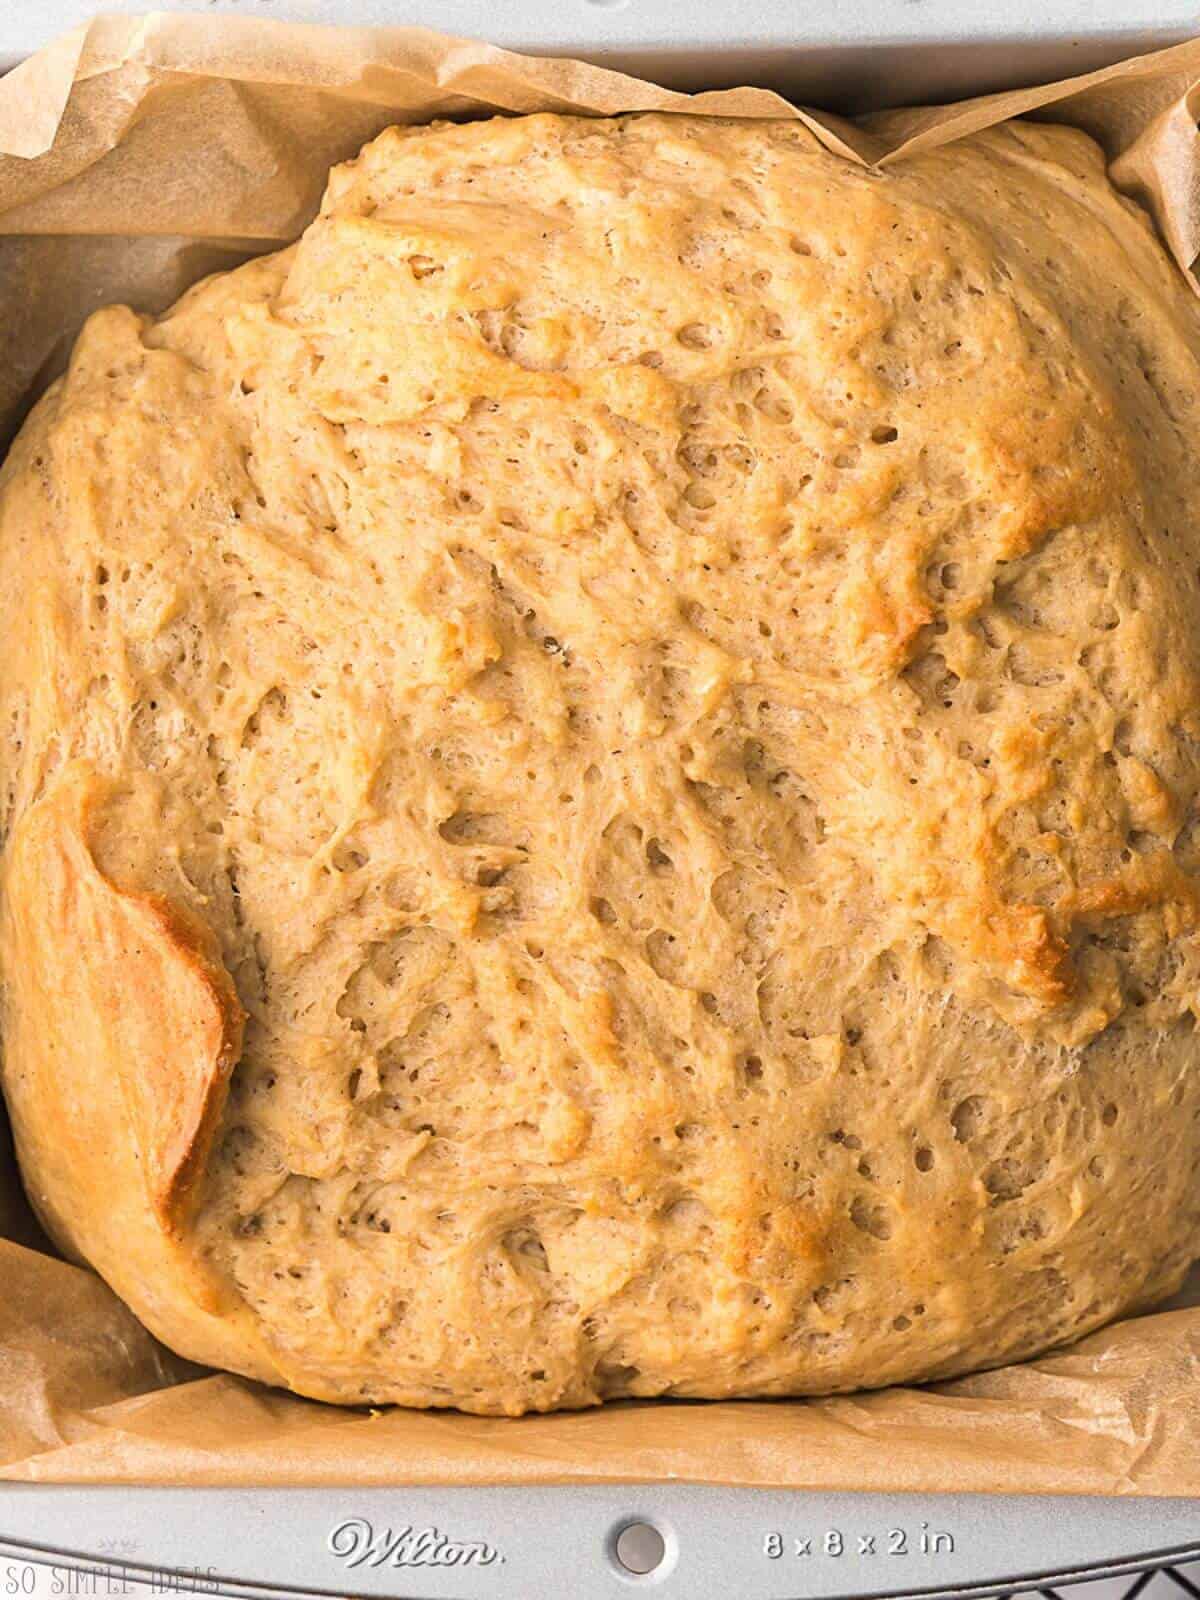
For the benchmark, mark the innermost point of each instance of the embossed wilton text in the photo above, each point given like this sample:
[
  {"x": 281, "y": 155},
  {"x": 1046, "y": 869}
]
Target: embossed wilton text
[{"x": 357, "y": 1543}]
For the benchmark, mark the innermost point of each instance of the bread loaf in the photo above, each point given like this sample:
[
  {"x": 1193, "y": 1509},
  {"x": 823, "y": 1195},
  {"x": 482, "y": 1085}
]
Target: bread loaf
[{"x": 600, "y": 768}]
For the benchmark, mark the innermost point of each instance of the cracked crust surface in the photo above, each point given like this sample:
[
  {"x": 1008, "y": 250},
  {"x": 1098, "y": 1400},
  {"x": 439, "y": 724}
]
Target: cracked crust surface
[{"x": 644, "y": 682}]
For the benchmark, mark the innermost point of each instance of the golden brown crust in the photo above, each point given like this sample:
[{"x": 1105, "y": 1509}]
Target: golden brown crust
[
  {"x": 668, "y": 667},
  {"x": 140, "y": 977}
]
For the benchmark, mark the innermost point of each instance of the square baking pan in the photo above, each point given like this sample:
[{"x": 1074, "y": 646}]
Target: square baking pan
[{"x": 688, "y": 1541}]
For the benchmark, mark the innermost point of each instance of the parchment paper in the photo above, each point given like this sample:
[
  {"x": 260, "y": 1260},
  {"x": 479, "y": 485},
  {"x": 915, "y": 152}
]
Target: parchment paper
[{"x": 137, "y": 154}]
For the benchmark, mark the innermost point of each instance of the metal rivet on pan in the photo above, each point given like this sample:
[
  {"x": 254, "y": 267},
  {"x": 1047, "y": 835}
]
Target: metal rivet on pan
[{"x": 639, "y": 1548}]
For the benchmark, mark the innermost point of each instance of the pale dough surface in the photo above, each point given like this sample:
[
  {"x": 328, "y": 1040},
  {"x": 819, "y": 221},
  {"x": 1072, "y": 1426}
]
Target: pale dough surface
[{"x": 600, "y": 769}]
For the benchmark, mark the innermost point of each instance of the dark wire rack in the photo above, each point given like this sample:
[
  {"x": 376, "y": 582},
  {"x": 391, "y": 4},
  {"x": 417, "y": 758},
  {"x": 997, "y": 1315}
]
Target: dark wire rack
[{"x": 1114, "y": 1588}]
